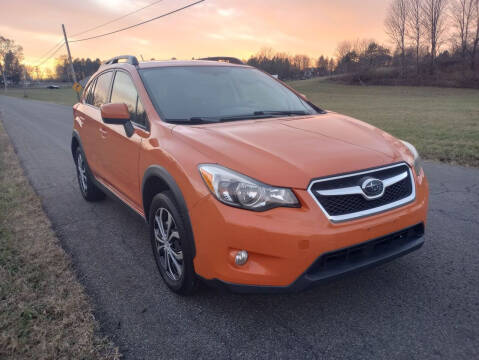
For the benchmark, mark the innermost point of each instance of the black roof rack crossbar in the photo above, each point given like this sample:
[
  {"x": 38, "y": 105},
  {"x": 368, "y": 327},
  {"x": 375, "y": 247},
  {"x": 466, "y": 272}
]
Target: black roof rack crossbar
[
  {"x": 228, "y": 59},
  {"x": 130, "y": 59}
]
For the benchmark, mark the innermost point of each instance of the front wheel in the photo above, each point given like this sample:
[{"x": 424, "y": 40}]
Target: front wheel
[
  {"x": 172, "y": 245},
  {"x": 88, "y": 188}
]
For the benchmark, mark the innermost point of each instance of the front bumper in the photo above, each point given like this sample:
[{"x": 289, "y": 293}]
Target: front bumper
[
  {"x": 344, "y": 261},
  {"x": 284, "y": 243}
]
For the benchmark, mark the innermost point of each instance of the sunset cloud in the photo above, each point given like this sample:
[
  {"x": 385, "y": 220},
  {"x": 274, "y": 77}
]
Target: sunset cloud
[
  {"x": 226, "y": 12},
  {"x": 214, "y": 27}
]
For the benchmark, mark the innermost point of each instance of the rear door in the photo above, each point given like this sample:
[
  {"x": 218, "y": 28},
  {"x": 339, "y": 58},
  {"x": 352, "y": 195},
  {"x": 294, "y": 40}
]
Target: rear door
[
  {"x": 92, "y": 123},
  {"x": 120, "y": 152},
  {"x": 86, "y": 125}
]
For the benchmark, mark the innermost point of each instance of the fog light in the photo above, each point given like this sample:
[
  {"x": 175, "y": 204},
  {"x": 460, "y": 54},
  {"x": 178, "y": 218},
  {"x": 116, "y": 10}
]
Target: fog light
[{"x": 241, "y": 257}]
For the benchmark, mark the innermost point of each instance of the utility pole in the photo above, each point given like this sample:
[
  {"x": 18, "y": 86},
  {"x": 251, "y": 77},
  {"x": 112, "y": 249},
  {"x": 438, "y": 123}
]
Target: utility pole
[{"x": 70, "y": 60}]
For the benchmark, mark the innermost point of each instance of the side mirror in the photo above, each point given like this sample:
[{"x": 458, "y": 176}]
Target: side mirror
[{"x": 115, "y": 113}]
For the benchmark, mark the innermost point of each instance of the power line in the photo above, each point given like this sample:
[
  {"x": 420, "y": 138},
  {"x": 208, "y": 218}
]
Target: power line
[
  {"x": 119, "y": 18},
  {"x": 140, "y": 23},
  {"x": 51, "y": 55},
  {"x": 47, "y": 53},
  {"x": 50, "y": 50}
]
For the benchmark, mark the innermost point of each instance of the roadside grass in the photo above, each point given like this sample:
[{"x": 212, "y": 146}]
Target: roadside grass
[
  {"x": 443, "y": 123},
  {"x": 63, "y": 96},
  {"x": 44, "y": 311}
]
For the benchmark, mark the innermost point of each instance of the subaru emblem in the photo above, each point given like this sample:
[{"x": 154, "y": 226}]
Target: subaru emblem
[{"x": 372, "y": 188}]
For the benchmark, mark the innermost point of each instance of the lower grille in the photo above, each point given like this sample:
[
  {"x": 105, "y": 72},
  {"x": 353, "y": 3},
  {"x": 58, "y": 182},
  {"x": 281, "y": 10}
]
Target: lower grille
[
  {"x": 360, "y": 255},
  {"x": 342, "y": 198}
]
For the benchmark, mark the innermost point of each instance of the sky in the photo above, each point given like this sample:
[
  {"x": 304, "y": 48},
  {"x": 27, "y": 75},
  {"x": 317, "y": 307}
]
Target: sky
[{"x": 236, "y": 28}]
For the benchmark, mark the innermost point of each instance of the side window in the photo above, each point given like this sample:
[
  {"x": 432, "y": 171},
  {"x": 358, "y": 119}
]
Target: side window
[
  {"x": 102, "y": 87},
  {"x": 89, "y": 93},
  {"x": 124, "y": 91},
  {"x": 140, "y": 112}
]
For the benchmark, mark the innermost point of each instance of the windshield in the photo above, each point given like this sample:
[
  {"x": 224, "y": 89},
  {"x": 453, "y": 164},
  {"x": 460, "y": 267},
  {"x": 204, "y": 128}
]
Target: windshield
[{"x": 193, "y": 94}]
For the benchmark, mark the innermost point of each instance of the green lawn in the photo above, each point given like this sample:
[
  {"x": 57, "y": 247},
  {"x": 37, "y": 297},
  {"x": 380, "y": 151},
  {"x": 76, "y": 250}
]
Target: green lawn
[
  {"x": 443, "y": 123},
  {"x": 64, "y": 96}
]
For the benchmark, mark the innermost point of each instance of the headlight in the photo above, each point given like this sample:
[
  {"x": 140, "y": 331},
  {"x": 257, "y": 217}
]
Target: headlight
[
  {"x": 241, "y": 191},
  {"x": 417, "y": 158}
]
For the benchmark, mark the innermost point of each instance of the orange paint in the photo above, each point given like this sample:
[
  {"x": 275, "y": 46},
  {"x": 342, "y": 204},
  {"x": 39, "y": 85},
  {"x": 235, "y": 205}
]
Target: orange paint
[{"x": 287, "y": 152}]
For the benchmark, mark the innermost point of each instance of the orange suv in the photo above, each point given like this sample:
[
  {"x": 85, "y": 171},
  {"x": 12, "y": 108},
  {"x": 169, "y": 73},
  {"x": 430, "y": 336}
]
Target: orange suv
[{"x": 245, "y": 183}]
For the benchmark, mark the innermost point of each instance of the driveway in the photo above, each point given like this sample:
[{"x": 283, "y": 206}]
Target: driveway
[{"x": 422, "y": 306}]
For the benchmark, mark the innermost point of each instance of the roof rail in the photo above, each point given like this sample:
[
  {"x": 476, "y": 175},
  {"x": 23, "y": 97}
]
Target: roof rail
[
  {"x": 227, "y": 59},
  {"x": 130, "y": 59}
]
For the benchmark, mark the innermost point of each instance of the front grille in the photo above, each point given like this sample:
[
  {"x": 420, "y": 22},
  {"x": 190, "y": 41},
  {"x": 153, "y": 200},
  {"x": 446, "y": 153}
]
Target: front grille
[
  {"x": 341, "y": 204},
  {"x": 340, "y": 207},
  {"x": 366, "y": 253}
]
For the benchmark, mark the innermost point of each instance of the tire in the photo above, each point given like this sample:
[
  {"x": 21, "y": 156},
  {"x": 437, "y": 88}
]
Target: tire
[
  {"x": 88, "y": 188},
  {"x": 172, "y": 245}
]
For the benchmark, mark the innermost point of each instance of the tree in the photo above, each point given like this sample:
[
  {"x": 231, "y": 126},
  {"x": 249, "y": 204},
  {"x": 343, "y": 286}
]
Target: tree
[
  {"x": 331, "y": 66},
  {"x": 414, "y": 29},
  {"x": 83, "y": 68},
  {"x": 13, "y": 67},
  {"x": 396, "y": 28},
  {"x": 344, "y": 47},
  {"x": 434, "y": 23},
  {"x": 10, "y": 55},
  {"x": 475, "y": 41},
  {"x": 375, "y": 56},
  {"x": 349, "y": 63},
  {"x": 323, "y": 65},
  {"x": 462, "y": 16}
]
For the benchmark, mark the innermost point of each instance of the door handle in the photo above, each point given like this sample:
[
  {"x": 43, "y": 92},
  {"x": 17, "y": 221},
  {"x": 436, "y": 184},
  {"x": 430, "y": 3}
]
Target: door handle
[{"x": 103, "y": 133}]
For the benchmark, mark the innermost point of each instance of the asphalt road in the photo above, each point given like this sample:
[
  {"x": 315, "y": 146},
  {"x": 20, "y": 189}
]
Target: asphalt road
[{"x": 422, "y": 306}]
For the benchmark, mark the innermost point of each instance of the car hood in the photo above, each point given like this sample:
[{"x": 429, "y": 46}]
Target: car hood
[{"x": 291, "y": 151}]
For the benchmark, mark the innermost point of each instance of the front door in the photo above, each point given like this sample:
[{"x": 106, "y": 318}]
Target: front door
[{"x": 120, "y": 152}]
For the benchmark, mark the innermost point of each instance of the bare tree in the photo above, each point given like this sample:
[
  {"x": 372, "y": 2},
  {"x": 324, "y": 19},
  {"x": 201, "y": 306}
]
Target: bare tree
[
  {"x": 434, "y": 24},
  {"x": 475, "y": 41},
  {"x": 7, "y": 46},
  {"x": 396, "y": 28},
  {"x": 301, "y": 61},
  {"x": 414, "y": 30},
  {"x": 462, "y": 16},
  {"x": 266, "y": 52},
  {"x": 344, "y": 47}
]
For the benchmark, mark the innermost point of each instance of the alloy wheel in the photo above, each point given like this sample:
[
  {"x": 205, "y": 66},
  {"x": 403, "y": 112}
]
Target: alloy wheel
[
  {"x": 82, "y": 173},
  {"x": 168, "y": 247}
]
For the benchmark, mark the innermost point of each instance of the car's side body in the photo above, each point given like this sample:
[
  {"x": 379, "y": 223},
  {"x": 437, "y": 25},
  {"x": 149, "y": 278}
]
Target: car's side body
[{"x": 283, "y": 243}]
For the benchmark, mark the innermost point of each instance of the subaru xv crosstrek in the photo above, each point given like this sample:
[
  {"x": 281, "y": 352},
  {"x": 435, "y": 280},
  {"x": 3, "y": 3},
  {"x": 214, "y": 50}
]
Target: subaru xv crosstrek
[{"x": 243, "y": 182}]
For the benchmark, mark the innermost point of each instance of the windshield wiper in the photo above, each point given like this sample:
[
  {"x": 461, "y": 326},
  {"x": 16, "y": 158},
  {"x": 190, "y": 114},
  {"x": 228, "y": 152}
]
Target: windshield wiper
[
  {"x": 256, "y": 115},
  {"x": 192, "y": 120},
  {"x": 245, "y": 117},
  {"x": 263, "y": 115},
  {"x": 281, "y": 112}
]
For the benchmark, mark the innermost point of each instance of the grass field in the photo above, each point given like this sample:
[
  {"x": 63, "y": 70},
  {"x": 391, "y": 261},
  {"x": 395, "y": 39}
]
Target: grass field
[
  {"x": 64, "y": 96},
  {"x": 44, "y": 312},
  {"x": 443, "y": 123}
]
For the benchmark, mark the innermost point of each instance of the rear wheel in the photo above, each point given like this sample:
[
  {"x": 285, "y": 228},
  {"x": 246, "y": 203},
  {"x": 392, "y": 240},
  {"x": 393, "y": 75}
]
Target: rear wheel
[
  {"x": 172, "y": 245},
  {"x": 88, "y": 188}
]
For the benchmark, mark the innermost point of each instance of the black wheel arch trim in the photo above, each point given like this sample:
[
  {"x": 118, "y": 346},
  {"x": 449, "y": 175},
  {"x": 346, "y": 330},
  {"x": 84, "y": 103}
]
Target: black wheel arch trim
[
  {"x": 157, "y": 171},
  {"x": 75, "y": 136}
]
